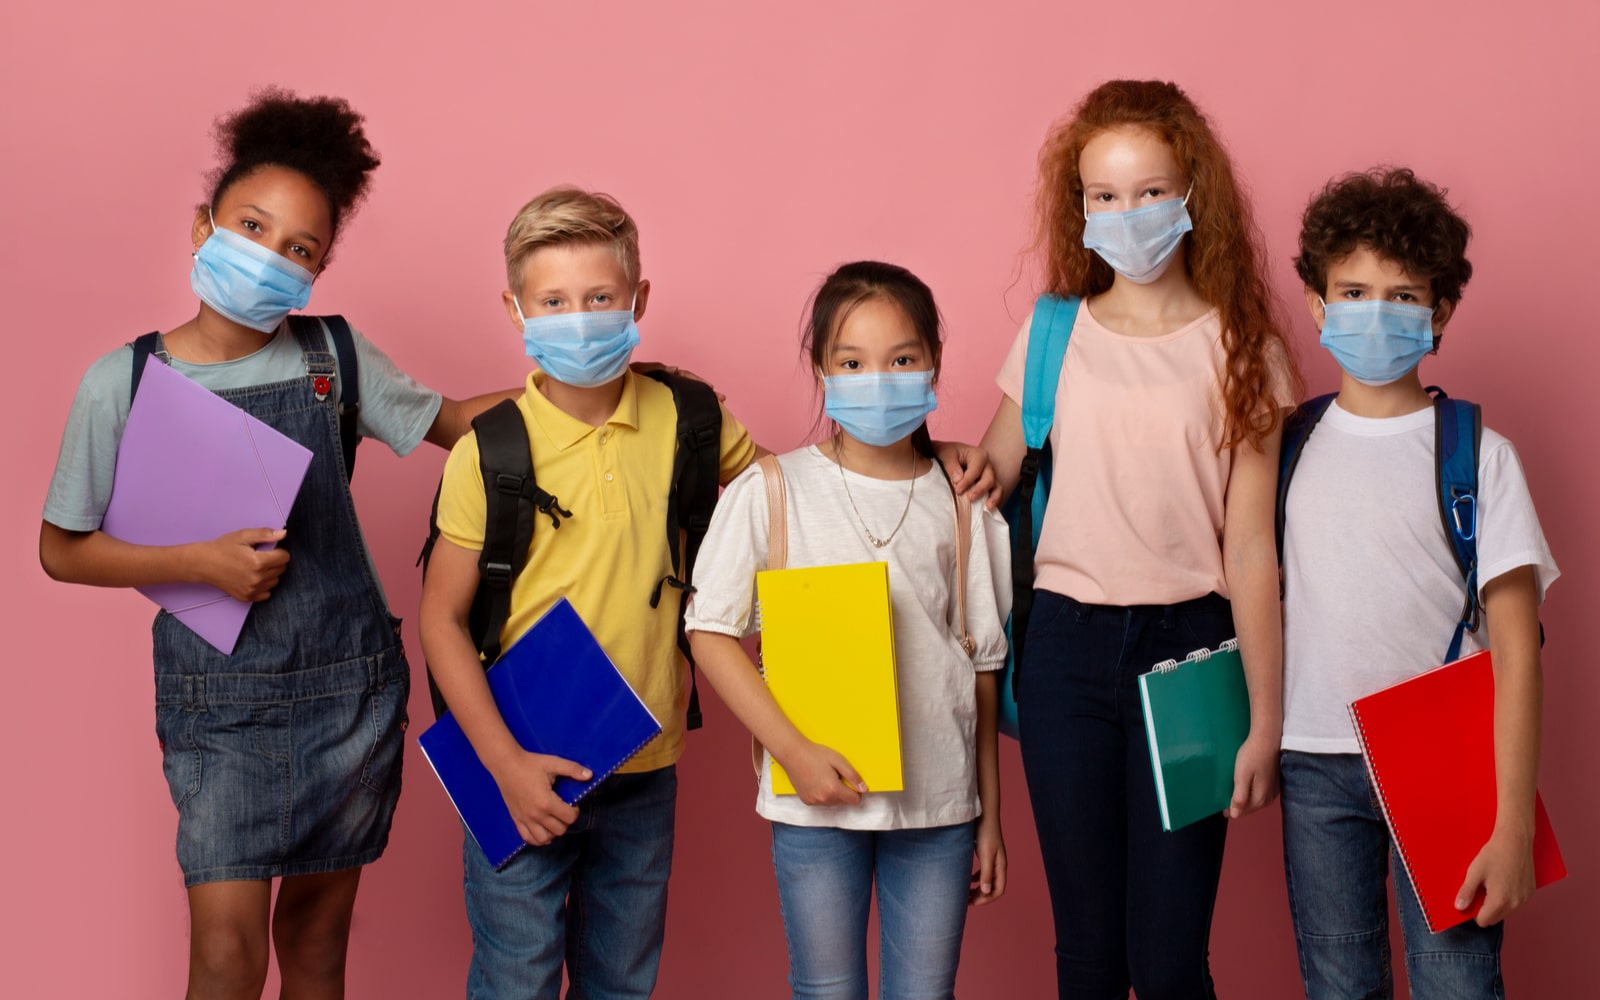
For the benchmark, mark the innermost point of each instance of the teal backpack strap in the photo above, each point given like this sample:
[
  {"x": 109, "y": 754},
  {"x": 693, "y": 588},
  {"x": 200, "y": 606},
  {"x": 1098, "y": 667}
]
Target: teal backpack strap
[
  {"x": 1049, "y": 331},
  {"x": 1458, "y": 432}
]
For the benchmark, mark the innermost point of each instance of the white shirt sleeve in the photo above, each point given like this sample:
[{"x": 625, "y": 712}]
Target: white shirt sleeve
[
  {"x": 1509, "y": 535},
  {"x": 735, "y": 547}
]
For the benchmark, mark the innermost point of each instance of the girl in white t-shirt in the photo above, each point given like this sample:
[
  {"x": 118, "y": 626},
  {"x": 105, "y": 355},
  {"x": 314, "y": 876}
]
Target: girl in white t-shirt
[
  {"x": 871, "y": 492},
  {"x": 1158, "y": 536}
]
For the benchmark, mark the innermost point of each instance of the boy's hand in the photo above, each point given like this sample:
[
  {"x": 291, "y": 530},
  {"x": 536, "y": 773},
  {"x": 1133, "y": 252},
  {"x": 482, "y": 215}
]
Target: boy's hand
[
  {"x": 971, "y": 474},
  {"x": 527, "y": 784},
  {"x": 989, "y": 881},
  {"x": 1503, "y": 870},
  {"x": 1255, "y": 775},
  {"x": 236, "y": 567},
  {"x": 822, "y": 777}
]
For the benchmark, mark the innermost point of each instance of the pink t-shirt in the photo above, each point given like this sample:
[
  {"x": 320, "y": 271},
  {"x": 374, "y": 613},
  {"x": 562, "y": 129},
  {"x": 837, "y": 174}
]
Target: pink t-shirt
[{"x": 1136, "y": 505}]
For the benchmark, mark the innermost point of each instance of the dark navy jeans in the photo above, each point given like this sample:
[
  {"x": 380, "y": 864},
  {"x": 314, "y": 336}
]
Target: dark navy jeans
[{"x": 1132, "y": 903}]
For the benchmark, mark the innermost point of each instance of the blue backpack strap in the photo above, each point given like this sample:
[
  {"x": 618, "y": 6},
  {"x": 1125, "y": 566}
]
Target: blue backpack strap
[
  {"x": 1296, "y": 429},
  {"x": 143, "y": 346},
  {"x": 344, "y": 349},
  {"x": 1049, "y": 331},
  {"x": 1458, "y": 432}
]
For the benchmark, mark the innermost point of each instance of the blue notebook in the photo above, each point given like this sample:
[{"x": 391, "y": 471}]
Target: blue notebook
[{"x": 559, "y": 694}]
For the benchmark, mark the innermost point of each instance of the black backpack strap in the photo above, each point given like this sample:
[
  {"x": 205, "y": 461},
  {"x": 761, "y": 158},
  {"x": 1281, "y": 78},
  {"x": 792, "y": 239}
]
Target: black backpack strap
[
  {"x": 143, "y": 346},
  {"x": 695, "y": 474},
  {"x": 307, "y": 330},
  {"x": 1023, "y": 545},
  {"x": 512, "y": 501},
  {"x": 1296, "y": 429}
]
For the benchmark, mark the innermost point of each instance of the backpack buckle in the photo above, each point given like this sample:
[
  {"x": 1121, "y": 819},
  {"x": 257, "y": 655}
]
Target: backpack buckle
[
  {"x": 508, "y": 484},
  {"x": 497, "y": 573},
  {"x": 704, "y": 437},
  {"x": 1030, "y": 464},
  {"x": 549, "y": 506}
]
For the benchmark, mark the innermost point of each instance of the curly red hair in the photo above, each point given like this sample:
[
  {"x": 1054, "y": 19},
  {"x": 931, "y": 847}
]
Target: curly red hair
[{"x": 1225, "y": 251}]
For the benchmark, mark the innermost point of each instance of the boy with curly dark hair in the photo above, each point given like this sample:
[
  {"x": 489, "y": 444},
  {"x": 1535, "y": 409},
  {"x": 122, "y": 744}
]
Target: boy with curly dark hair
[{"x": 1372, "y": 589}]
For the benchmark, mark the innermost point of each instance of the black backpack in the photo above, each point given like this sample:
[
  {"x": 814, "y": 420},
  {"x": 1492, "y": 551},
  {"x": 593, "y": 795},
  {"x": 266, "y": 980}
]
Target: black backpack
[{"x": 516, "y": 504}]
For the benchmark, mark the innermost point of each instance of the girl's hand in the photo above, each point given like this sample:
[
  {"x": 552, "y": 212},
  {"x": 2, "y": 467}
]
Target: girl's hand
[
  {"x": 989, "y": 881},
  {"x": 971, "y": 474},
  {"x": 527, "y": 784},
  {"x": 822, "y": 777},
  {"x": 1255, "y": 775},
  {"x": 1503, "y": 870},
  {"x": 236, "y": 567}
]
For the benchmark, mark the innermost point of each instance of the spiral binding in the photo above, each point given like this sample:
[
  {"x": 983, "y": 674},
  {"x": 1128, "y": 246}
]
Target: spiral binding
[
  {"x": 1388, "y": 816},
  {"x": 1197, "y": 656}
]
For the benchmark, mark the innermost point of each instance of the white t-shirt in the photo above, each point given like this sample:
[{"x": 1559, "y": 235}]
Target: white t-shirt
[
  {"x": 1372, "y": 592},
  {"x": 938, "y": 706}
]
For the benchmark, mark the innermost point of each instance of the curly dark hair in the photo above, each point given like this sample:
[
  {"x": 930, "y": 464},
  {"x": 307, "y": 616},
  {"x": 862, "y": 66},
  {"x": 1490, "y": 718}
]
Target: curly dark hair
[
  {"x": 1396, "y": 215},
  {"x": 319, "y": 137}
]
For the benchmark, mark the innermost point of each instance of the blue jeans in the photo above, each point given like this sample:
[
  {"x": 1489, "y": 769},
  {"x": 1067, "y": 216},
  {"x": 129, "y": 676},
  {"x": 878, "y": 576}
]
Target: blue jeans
[
  {"x": 595, "y": 897},
  {"x": 1132, "y": 903},
  {"x": 825, "y": 878},
  {"x": 1336, "y": 858}
]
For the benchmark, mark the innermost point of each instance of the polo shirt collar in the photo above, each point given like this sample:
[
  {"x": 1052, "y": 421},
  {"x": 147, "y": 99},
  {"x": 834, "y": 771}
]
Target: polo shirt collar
[{"x": 565, "y": 430}]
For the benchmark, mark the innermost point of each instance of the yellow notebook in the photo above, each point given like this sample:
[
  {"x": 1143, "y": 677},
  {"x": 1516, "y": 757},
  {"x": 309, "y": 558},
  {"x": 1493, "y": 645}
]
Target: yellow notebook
[{"x": 827, "y": 649}]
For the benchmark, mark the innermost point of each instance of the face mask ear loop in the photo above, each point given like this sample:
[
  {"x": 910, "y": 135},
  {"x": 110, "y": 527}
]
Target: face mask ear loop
[
  {"x": 1086, "y": 206},
  {"x": 1187, "y": 193},
  {"x": 516, "y": 301}
]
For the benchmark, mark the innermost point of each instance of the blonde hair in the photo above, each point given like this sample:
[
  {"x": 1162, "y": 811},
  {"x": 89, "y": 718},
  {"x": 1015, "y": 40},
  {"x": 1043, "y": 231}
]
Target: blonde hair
[{"x": 569, "y": 215}]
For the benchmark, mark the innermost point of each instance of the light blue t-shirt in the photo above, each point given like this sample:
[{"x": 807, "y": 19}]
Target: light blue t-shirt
[{"x": 395, "y": 409}]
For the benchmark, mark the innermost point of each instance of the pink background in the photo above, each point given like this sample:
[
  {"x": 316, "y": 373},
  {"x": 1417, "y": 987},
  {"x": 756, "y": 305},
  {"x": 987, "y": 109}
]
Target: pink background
[{"x": 758, "y": 145}]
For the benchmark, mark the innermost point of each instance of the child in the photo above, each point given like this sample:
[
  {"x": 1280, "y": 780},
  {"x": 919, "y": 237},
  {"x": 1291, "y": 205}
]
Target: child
[
  {"x": 871, "y": 493},
  {"x": 1158, "y": 536},
  {"x": 283, "y": 757},
  {"x": 1372, "y": 591}
]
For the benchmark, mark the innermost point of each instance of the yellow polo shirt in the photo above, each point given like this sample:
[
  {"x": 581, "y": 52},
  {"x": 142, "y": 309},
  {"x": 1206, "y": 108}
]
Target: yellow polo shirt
[{"x": 609, "y": 555}]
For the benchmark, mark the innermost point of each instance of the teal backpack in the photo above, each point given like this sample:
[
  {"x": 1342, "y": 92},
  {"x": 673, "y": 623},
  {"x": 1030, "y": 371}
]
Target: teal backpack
[{"x": 1048, "y": 334}]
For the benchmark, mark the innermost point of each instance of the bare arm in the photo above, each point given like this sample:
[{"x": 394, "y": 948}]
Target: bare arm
[
  {"x": 1250, "y": 562},
  {"x": 990, "y": 878},
  {"x": 525, "y": 779},
  {"x": 821, "y": 775},
  {"x": 455, "y": 416},
  {"x": 1504, "y": 867},
  {"x": 1003, "y": 441},
  {"x": 231, "y": 563}
]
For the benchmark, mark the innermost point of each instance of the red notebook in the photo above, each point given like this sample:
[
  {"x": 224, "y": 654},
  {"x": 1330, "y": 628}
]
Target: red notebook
[{"x": 1429, "y": 747}]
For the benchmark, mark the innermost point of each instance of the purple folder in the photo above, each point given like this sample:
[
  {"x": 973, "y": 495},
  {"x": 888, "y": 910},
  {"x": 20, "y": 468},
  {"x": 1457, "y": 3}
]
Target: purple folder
[{"x": 192, "y": 467}]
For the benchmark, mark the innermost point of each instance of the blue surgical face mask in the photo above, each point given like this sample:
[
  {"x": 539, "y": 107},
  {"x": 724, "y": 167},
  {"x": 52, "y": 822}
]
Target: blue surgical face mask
[
  {"x": 1377, "y": 341},
  {"x": 879, "y": 408},
  {"x": 584, "y": 349},
  {"x": 246, "y": 282},
  {"x": 1138, "y": 243}
]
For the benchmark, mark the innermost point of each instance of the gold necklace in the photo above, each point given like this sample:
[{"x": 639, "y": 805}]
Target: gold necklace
[{"x": 877, "y": 542}]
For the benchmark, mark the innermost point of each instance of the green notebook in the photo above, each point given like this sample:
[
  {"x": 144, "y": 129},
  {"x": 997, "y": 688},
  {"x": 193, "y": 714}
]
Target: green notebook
[{"x": 1196, "y": 716}]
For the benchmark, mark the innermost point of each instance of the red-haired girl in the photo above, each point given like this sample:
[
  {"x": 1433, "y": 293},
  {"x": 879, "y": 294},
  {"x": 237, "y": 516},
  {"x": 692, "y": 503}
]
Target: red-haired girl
[{"x": 1158, "y": 536}]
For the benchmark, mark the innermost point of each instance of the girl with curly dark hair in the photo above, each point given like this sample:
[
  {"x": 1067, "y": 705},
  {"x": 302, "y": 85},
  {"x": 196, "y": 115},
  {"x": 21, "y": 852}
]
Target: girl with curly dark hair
[
  {"x": 283, "y": 756},
  {"x": 1158, "y": 536}
]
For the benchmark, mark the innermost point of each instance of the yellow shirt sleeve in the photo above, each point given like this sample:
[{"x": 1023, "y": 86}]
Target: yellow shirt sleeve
[
  {"x": 462, "y": 508},
  {"x": 738, "y": 450}
]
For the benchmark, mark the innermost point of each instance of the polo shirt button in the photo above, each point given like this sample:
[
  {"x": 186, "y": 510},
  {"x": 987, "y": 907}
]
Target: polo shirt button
[
  {"x": 608, "y": 477},
  {"x": 602, "y": 439}
]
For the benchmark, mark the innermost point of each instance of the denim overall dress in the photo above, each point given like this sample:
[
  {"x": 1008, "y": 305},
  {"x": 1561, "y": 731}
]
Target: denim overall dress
[{"x": 284, "y": 757}]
